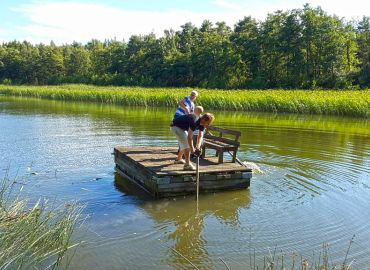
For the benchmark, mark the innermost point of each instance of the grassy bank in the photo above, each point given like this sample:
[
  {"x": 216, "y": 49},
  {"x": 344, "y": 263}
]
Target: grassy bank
[
  {"x": 328, "y": 102},
  {"x": 33, "y": 236}
]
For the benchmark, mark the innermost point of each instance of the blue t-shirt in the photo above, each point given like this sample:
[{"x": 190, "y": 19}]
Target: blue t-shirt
[{"x": 188, "y": 103}]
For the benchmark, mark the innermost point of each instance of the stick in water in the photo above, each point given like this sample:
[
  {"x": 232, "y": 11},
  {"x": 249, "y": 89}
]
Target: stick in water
[{"x": 197, "y": 171}]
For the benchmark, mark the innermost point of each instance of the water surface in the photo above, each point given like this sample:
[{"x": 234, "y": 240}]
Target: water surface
[{"x": 315, "y": 188}]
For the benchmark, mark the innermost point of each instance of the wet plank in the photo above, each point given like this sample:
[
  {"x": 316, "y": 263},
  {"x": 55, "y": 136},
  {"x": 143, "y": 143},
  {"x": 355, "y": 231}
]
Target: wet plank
[
  {"x": 153, "y": 169},
  {"x": 159, "y": 160}
]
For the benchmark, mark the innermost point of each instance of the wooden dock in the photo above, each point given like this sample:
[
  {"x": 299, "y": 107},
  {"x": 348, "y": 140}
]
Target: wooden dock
[{"x": 153, "y": 169}]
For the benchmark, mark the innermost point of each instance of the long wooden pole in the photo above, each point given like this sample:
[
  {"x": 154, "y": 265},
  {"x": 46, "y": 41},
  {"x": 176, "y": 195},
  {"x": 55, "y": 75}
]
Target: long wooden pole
[{"x": 197, "y": 172}]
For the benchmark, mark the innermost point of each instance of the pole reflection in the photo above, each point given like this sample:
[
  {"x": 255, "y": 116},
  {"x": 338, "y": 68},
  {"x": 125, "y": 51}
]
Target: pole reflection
[{"x": 186, "y": 223}]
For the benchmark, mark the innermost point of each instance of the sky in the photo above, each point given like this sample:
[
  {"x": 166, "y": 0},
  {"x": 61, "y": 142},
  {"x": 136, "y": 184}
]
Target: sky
[{"x": 63, "y": 22}]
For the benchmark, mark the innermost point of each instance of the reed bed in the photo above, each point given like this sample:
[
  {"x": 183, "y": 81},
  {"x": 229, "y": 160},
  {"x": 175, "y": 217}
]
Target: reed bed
[
  {"x": 320, "y": 261},
  {"x": 329, "y": 102},
  {"x": 281, "y": 261},
  {"x": 36, "y": 236}
]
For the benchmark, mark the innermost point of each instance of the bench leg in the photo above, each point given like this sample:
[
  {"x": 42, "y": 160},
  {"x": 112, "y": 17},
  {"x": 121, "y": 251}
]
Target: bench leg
[
  {"x": 234, "y": 156},
  {"x": 203, "y": 155},
  {"x": 221, "y": 157}
]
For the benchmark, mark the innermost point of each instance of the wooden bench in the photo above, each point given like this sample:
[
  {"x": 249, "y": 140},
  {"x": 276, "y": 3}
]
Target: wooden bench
[{"x": 220, "y": 143}]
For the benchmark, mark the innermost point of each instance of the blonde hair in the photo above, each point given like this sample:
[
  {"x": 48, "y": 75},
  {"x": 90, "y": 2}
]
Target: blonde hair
[
  {"x": 200, "y": 108},
  {"x": 194, "y": 93}
]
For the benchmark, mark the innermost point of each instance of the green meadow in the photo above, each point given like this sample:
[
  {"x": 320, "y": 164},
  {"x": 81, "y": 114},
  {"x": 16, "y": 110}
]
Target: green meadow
[{"x": 328, "y": 102}]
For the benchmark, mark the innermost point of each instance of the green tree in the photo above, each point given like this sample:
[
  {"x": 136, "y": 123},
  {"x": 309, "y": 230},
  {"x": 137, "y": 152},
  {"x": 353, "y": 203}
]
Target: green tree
[
  {"x": 273, "y": 62},
  {"x": 246, "y": 40},
  {"x": 328, "y": 48},
  {"x": 144, "y": 60},
  {"x": 183, "y": 68},
  {"x": 363, "y": 55},
  {"x": 290, "y": 49},
  {"x": 12, "y": 63},
  {"x": 49, "y": 65},
  {"x": 213, "y": 59},
  {"x": 77, "y": 63}
]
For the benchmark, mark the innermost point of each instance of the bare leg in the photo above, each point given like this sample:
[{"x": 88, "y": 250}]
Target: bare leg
[
  {"x": 187, "y": 156},
  {"x": 179, "y": 155}
]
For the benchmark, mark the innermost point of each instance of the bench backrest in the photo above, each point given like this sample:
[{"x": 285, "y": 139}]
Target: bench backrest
[{"x": 211, "y": 130}]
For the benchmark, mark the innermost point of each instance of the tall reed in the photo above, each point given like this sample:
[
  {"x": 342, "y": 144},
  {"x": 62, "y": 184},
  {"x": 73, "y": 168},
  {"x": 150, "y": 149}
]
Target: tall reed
[
  {"x": 330, "y": 102},
  {"x": 36, "y": 236}
]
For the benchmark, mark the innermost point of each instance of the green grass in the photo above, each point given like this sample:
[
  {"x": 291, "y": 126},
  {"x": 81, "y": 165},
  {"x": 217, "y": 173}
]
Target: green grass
[
  {"x": 36, "y": 236},
  {"x": 329, "y": 102}
]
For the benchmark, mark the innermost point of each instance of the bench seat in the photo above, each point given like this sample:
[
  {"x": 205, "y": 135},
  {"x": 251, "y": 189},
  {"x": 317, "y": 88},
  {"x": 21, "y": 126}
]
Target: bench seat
[{"x": 220, "y": 143}]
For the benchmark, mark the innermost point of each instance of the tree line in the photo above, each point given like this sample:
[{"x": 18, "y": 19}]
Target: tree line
[{"x": 299, "y": 48}]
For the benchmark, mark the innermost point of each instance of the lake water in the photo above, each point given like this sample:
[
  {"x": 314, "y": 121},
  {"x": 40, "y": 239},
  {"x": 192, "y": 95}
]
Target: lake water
[{"x": 315, "y": 188}]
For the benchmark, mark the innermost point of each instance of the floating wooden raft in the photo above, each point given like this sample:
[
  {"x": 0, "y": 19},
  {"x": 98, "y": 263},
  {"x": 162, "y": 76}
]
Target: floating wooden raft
[{"x": 153, "y": 169}]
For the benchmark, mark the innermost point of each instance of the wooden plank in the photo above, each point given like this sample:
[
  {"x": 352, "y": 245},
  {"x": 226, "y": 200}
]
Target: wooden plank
[
  {"x": 140, "y": 176},
  {"x": 171, "y": 190},
  {"x": 221, "y": 144},
  {"x": 220, "y": 139},
  {"x": 218, "y": 146},
  {"x": 224, "y": 130},
  {"x": 218, "y": 176},
  {"x": 153, "y": 168},
  {"x": 124, "y": 175},
  {"x": 137, "y": 165},
  {"x": 206, "y": 177},
  {"x": 160, "y": 161},
  {"x": 223, "y": 183},
  {"x": 218, "y": 183}
]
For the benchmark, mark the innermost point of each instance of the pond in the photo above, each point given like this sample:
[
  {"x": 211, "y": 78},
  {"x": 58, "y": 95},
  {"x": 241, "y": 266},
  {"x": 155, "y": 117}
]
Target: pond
[{"x": 314, "y": 189}]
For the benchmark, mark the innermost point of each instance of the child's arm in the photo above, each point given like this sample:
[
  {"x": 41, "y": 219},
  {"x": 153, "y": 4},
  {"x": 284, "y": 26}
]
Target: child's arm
[{"x": 183, "y": 105}]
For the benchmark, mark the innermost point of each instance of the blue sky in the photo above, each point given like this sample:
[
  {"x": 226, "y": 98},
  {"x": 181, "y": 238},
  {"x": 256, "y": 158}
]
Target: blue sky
[{"x": 65, "y": 21}]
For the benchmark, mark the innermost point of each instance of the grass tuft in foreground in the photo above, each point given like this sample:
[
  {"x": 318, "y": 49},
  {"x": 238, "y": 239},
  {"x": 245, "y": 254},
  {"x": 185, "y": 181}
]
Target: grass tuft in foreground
[{"x": 33, "y": 237}]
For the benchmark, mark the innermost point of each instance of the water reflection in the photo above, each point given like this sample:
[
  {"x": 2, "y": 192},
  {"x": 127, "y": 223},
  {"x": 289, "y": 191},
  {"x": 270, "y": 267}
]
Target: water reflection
[
  {"x": 188, "y": 220},
  {"x": 315, "y": 188}
]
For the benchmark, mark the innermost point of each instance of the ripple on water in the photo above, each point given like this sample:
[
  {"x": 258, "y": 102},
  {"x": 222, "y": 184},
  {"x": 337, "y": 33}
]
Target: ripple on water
[{"x": 314, "y": 189}]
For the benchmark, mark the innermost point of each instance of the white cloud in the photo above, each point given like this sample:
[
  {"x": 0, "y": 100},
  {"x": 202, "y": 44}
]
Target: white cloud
[
  {"x": 347, "y": 9},
  {"x": 67, "y": 22},
  {"x": 64, "y": 22},
  {"x": 259, "y": 9}
]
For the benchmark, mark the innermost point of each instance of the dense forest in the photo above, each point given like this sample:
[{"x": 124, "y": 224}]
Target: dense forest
[{"x": 299, "y": 48}]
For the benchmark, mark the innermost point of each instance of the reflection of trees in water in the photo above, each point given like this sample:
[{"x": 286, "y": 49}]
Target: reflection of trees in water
[
  {"x": 188, "y": 222},
  {"x": 187, "y": 234},
  {"x": 137, "y": 118},
  {"x": 360, "y": 148}
]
